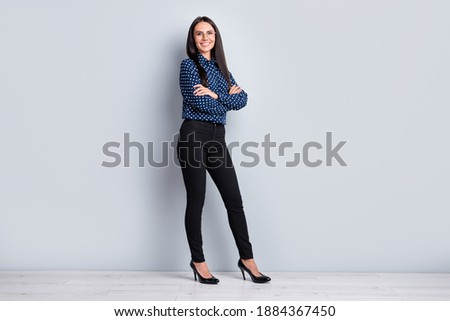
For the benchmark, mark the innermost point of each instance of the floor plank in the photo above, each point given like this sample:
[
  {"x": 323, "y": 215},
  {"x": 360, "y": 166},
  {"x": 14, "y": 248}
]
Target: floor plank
[{"x": 180, "y": 286}]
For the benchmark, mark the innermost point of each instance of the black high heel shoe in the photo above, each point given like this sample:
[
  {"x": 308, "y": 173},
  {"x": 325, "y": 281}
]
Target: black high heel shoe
[
  {"x": 201, "y": 279},
  {"x": 257, "y": 279}
]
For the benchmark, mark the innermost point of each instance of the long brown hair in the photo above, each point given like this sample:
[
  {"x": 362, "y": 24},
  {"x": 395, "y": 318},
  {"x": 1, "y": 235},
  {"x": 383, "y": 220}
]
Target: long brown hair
[{"x": 216, "y": 52}]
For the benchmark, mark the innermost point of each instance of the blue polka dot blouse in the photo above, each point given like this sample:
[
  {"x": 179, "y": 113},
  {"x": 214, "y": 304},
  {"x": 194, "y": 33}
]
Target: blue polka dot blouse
[{"x": 205, "y": 107}]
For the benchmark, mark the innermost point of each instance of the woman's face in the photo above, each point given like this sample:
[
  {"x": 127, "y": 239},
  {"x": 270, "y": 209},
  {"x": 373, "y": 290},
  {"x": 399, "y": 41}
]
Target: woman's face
[{"x": 204, "y": 36}]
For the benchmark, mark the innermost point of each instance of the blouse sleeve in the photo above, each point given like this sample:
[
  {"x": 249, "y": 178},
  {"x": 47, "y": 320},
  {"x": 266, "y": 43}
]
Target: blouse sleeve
[
  {"x": 189, "y": 77},
  {"x": 233, "y": 101}
]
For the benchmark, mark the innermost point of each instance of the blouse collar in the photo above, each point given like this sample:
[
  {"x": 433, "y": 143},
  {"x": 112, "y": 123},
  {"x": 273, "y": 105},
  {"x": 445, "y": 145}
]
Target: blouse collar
[{"x": 203, "y": 60}]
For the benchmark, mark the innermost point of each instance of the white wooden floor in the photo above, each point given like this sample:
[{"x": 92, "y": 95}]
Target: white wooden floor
[{"x": 180, "y": 286}]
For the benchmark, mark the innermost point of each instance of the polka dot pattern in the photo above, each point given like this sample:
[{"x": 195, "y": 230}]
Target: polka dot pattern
[{"x": 206, "y": 108}]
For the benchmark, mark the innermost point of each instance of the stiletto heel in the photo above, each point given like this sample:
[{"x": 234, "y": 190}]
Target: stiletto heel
[
  {"x": 201, "y": 279},
  {"x": 257, "y": 279}
]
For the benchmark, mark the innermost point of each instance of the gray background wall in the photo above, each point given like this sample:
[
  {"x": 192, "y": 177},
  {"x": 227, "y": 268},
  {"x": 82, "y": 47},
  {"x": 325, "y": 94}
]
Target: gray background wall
[{"x": 77, "y": 74}]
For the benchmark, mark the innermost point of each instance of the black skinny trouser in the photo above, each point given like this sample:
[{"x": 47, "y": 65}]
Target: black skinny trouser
[{"x": 201, "y": 147}]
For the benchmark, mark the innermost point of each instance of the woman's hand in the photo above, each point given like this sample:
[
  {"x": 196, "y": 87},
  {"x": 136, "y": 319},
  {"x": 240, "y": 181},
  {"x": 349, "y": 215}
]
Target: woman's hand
[
  {"x": 200, "y": 90},
  {"x": 235, "y": 89}
]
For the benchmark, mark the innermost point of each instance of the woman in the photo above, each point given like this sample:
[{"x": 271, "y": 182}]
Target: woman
[{"x": 209, "y": 91}]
